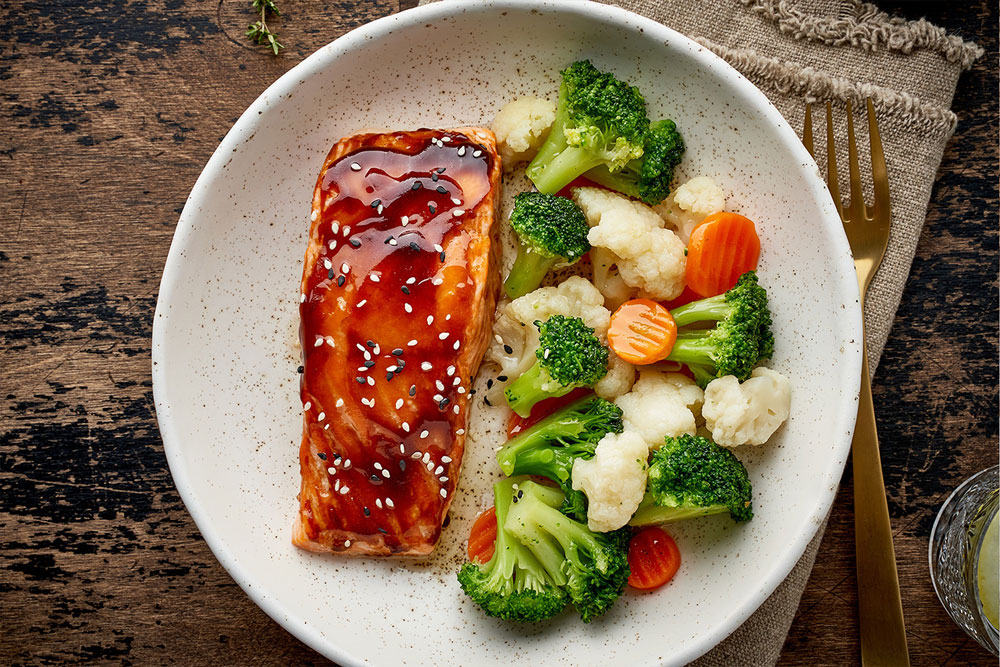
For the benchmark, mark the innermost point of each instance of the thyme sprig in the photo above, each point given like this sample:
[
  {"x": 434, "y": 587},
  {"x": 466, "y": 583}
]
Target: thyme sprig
[{"x": 259, "y": 31}]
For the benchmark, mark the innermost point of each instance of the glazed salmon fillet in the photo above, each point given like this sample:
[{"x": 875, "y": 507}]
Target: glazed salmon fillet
[{"x": 398, "y": 293}]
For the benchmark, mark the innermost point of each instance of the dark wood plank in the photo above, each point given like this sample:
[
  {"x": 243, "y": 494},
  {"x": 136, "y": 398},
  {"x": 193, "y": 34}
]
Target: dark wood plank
[{"x": 109, "y": 113}]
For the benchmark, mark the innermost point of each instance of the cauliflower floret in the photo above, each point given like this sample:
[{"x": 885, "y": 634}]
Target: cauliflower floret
[
  {"x": 521, "y": 127},
  {"x": 748, "y": 413},
  {"x": 614, "y": 481},
  {"x": 574, "y": 297},
  {"x": 661, "y": 404},
  {"x": 648, "y": 256},
  {"x": 607, "y": 279},
  {"x": 690, "y": 203}
]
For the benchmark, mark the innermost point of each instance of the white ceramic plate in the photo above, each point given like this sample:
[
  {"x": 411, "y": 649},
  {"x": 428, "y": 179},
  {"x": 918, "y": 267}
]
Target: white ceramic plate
[{"x": 224, "y": 356}]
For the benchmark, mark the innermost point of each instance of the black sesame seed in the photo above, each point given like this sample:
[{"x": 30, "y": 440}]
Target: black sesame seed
[
  {"x": 360, "y": 379},
  {"x": 413, "y": 390},
  {"x": 368, "y": 512},
  {"x": 406, "y": 290},
  {"x": 389, "y": 238},
  {"x": 487, "y": 402},
  {"x": 442, "y": 255},
  {"x": 402, "y": 465},
  {"x": 489, "y": 383},
  {"x": 472, "y": 392},
  {"x": 520, "y": 494},
  {"x": 369, "y": 364},
  {"x": 370, "y": 344},
  {"x": 341, "y": 280},
  {"x": 434, "y": 177},
  {"x": 321, "y": 456},
  {"x": 330, "y": 274},
  {"x": 444, "y": 403},
  {"x": 301, "y": 369},
  {"x": 432, "y": 208},
  {"x": 443, "y": 190},
  {"x": 501, "y": 378},
  {"x": 440, "y": 170},
  {"x": 336, "y": 457},
  {"x": 389, "y": 375},
  {"x": 398, "y": 352},
  {"x": 416, "y": 186},
  {"x": 400, "y": 364},
  {"x": 376, "y": 202},
  {"x": 413, "y": 244},
  {"x": 355, "y": 243},
  {"x": 375, "y": 478},
  {"x": 383, "y": 531},
  {"x": 508, "y": 349}
]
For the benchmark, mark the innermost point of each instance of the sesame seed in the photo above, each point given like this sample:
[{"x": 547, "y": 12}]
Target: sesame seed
[
  {"x": 378, "y": 466},
  {"x": 326, "y": 428},
  {"x": 442, "y": 256},
  {"x": 389, "y": 503},
  {"x": 340, "y": 402},
  {"x": 443, "y": 403},
  {"x": 347, "y": 544},
  {"x": 414, "y": 246},
  {"x": 347, "y": 230},
  {"x": 302, "y": 298},
  {"x": 376, "y": 349},
  {"x": 437, "y": 247},
  {"x": 355, "y": 166},
  {"x": 371, "y": 381},
  {"x": 402, "y": 465},
  {"x": 458, "y": 213},
  {"x": 437, "y": 281},
  {"x": 508, "y": 349},
  {"x": 443, "y": 335},
  {"x": 476, "y": 153},
  {"x": 335, "y": 227},
  {"x": 412, "y": 343},
  {"x": 315, "y": 215},
  {"x": 392, "y": 241},
  {"x": 426, "y": 457},
  {"x": 439, "y": 470},
  {"x": 321, "y": 416},
  {"x": 441, "y": 170},
  {"x": 432, "y": 208},
  {"x": 497, "y": 338},
  {"x": 319, "y": 341},
  {"x": 362, "y": 302},
  {"x": 456, "y": 382},
  {"x": 368, "y": 356},
  {"x": 461, "y": 151},
  {"x": 385, "y": 473},
  {"x": 321, "y": 455},
  {"x": 461, "y": 390},
  {"x": 450, "y": 371},
  {"x": 355, "y": 243},
  {"x": 392, "y": 369},
  {"x": 426, "y": 366},
  {"x": 416, "y": 186},
  {"x": 398, "y": 351},
  {"x": 405, "y": 220},
  {"x": 415, "y": 455},
  {"x": 456, "y": 201},
  {"x": 343, "y": 491},
  {"x": 330, "y": 341},
  {"x": 413, "y": 390},
  {"x": 501, "y": 378},
  {"x": 424, "y": 434},
  {"x": 336, "y": 485},
  {"x": 378, "y": 503},
  {"x": 399, "y": 403},
  {"x": 341, "y": 280},
  {"x": 368, "y": 512},
  {"x": 444, "y": 493},
  {"x": 332, "y": 244},
  {"x": 442, "y": 479},
  {"x": 411, "y": 280},
  {"x": 345, "y": 268},
  {"x": 546, "y": 354},
  {"x": 347, "y": 463},
  {"x": 374, "y": 277},
  {"x": 437, "y": 398},
  {"x": 407, "y": 307},
  {"x": 430, "y": 466},
  {"x": 439, "y": 385},
  {"x": 430, "y": 320},
  {"x": 434, "y": 177},
  {"x": 331, "y": 470},
  {"x": 443, "y": 190},
  {"x": 457, "y": 345},
  {"x": 455, "y": 409}
]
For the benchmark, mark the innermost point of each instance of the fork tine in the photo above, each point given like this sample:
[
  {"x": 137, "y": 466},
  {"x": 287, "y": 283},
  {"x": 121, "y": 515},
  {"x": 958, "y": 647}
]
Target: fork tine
[
  {"x": 807, "y": 131},
  {"x": 831, "y": 162},
  {"x": 856, "y": 207},
  {"x": 880, "y": 177}
]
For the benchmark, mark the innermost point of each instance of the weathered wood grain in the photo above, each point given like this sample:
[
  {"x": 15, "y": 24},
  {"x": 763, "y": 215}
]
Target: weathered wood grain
[{"x": 109, "y": 112}]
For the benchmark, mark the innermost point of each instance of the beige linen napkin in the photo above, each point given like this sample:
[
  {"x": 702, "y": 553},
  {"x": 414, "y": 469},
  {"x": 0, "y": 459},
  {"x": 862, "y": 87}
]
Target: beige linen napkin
[{"x": 836, "y": 50}]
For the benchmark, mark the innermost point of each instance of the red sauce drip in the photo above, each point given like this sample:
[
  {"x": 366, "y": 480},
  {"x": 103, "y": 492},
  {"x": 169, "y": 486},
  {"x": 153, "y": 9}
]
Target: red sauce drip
[{"x": 392, "y": 270}]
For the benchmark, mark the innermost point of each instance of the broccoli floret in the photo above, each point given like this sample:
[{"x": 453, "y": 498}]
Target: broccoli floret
[
  {"x": 550, "y": 447},
  {"x": 593, "y": 565},
  {"x": 569, "y": 356},
  {"x": 740, "y": 339},
  {"x": 512, "y": 585},
  {"x": 599, "y": 120},
  {"x": 691, "y": 476},
  {"x": 551, "y": 230},
  {"x": 647, "y": 178}
]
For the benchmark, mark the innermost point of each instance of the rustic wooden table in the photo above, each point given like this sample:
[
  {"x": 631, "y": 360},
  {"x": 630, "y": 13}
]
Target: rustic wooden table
[{"x": 110, "y": 110}]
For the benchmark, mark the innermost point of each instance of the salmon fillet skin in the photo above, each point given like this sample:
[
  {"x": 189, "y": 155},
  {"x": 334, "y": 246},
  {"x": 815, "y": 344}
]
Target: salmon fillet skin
[{"x": 398, "y": 293}]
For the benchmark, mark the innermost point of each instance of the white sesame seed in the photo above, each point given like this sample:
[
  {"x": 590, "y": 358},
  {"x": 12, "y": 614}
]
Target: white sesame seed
[
  {"x": 360, "y": 346},
  {"x": 476, "y": 153},
  {"x": 497, "y": 338},
  {"x": 332, "y": 244},
  {"x": 461, "y": 151},
  {"x": 426, "y": 457},
  {"x": 378, "y": 466},
  {"x": 371, "y": 381},
  {"x": 344, "y": 489},
  {"x": 456, "y": 382},
  {"x": 447, "y": 459},
  {"x": 458, "y": 212},
  {"x": 376, "y": 349},
  {"x": 379, "y": 209},
  {"x": 406, "y": 426},
  {"x": 347, "y": 544},
  {"x": 450, "y": 371},
  {"x": 340, "y": 402},
  {"x": 447, "y": 317},
  {"x": 399, "y": 403},
  {"x": 313, "y": 216},
  {"x": 442, "y": 479},
  {"x": 326, "y": 428},
  {"x": 456, "y": 201},
  {"x": 439, "y": 470},
  {"x": 407, "y": 307},
  {"x": 378, "y": 503},
  {"x": 302, "y": 298},
  {"x": 415, "y": 455},
  {"x": 355, "y": 166},
  {"x": 345, "y": 268},
  {"x": 392, "y": 369},
  {"x": 336, "y": 485},
  {"x": 327, "y": 264},
  {"x": 362, "y": 302},
  {"x": 319, "y": 341},
  {"x": 368, "y": 356},
  {"x": 389, "y": 503},
  {"x": 457, "y": 345},
  {"x": 321, "y": 416},
  {"x": 426, "y": 366},
  {"x": 439, "y": 385},
  {"x": 335, "y": 227},
  {"x": 461, "y": 390},
  {"x": 430, "y": 466},
  {"x": 374, "y": 277},
  {"x": 424, "y": 434},
  {"x": 347, "y": 230},
  {"x": 437, "y": 398},
  {"x": 385, "y": 473},
  {"x": 307, "y": 405},
  {"x": 412, "y": 343},
  {"x": 347, "y": 463},
  {"x": 437, "y": 281},
  {"x": 430, "y": 320},
  {"x": 411, "y": 280},
  {"x": 405, "y": 220},
  {"x": 443, "y": 335},
  {"x": 402, "y": 449},
  {"x": 331, "y": 470},
  {"x": 444, "y": 493},
  {"x": 546, "y": 355},
  {"x": 438, "y": 248},
  {"x": 393, "y": 242},
  {"x": 455, "y": 409},
  {"x": 330, "y": 341}
]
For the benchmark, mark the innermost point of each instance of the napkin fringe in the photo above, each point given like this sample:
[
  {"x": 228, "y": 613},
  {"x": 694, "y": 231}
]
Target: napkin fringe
[
  {"x": 867, "y": 27},
  {"x": 814, "y": 85}
]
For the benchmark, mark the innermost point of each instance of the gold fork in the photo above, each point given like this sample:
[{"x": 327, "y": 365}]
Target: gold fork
[{"x": 883, "y": 635}]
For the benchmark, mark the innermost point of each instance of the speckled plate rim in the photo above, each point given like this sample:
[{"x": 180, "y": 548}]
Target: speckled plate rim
[{"x": 325, "y": 57}]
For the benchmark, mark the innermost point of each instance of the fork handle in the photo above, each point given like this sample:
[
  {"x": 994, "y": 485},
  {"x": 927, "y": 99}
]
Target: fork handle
[{"x": 883, "y": 635}]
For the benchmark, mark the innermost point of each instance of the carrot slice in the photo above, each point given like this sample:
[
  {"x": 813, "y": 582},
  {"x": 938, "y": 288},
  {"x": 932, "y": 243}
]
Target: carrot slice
[
  {"x": 642, "y": 332},
  {"x": 722, "y": 248},
  {"x": 653, "y": 558},
  {"x": 542, "y": 409},
  {"x": 483, "y": 537}
]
